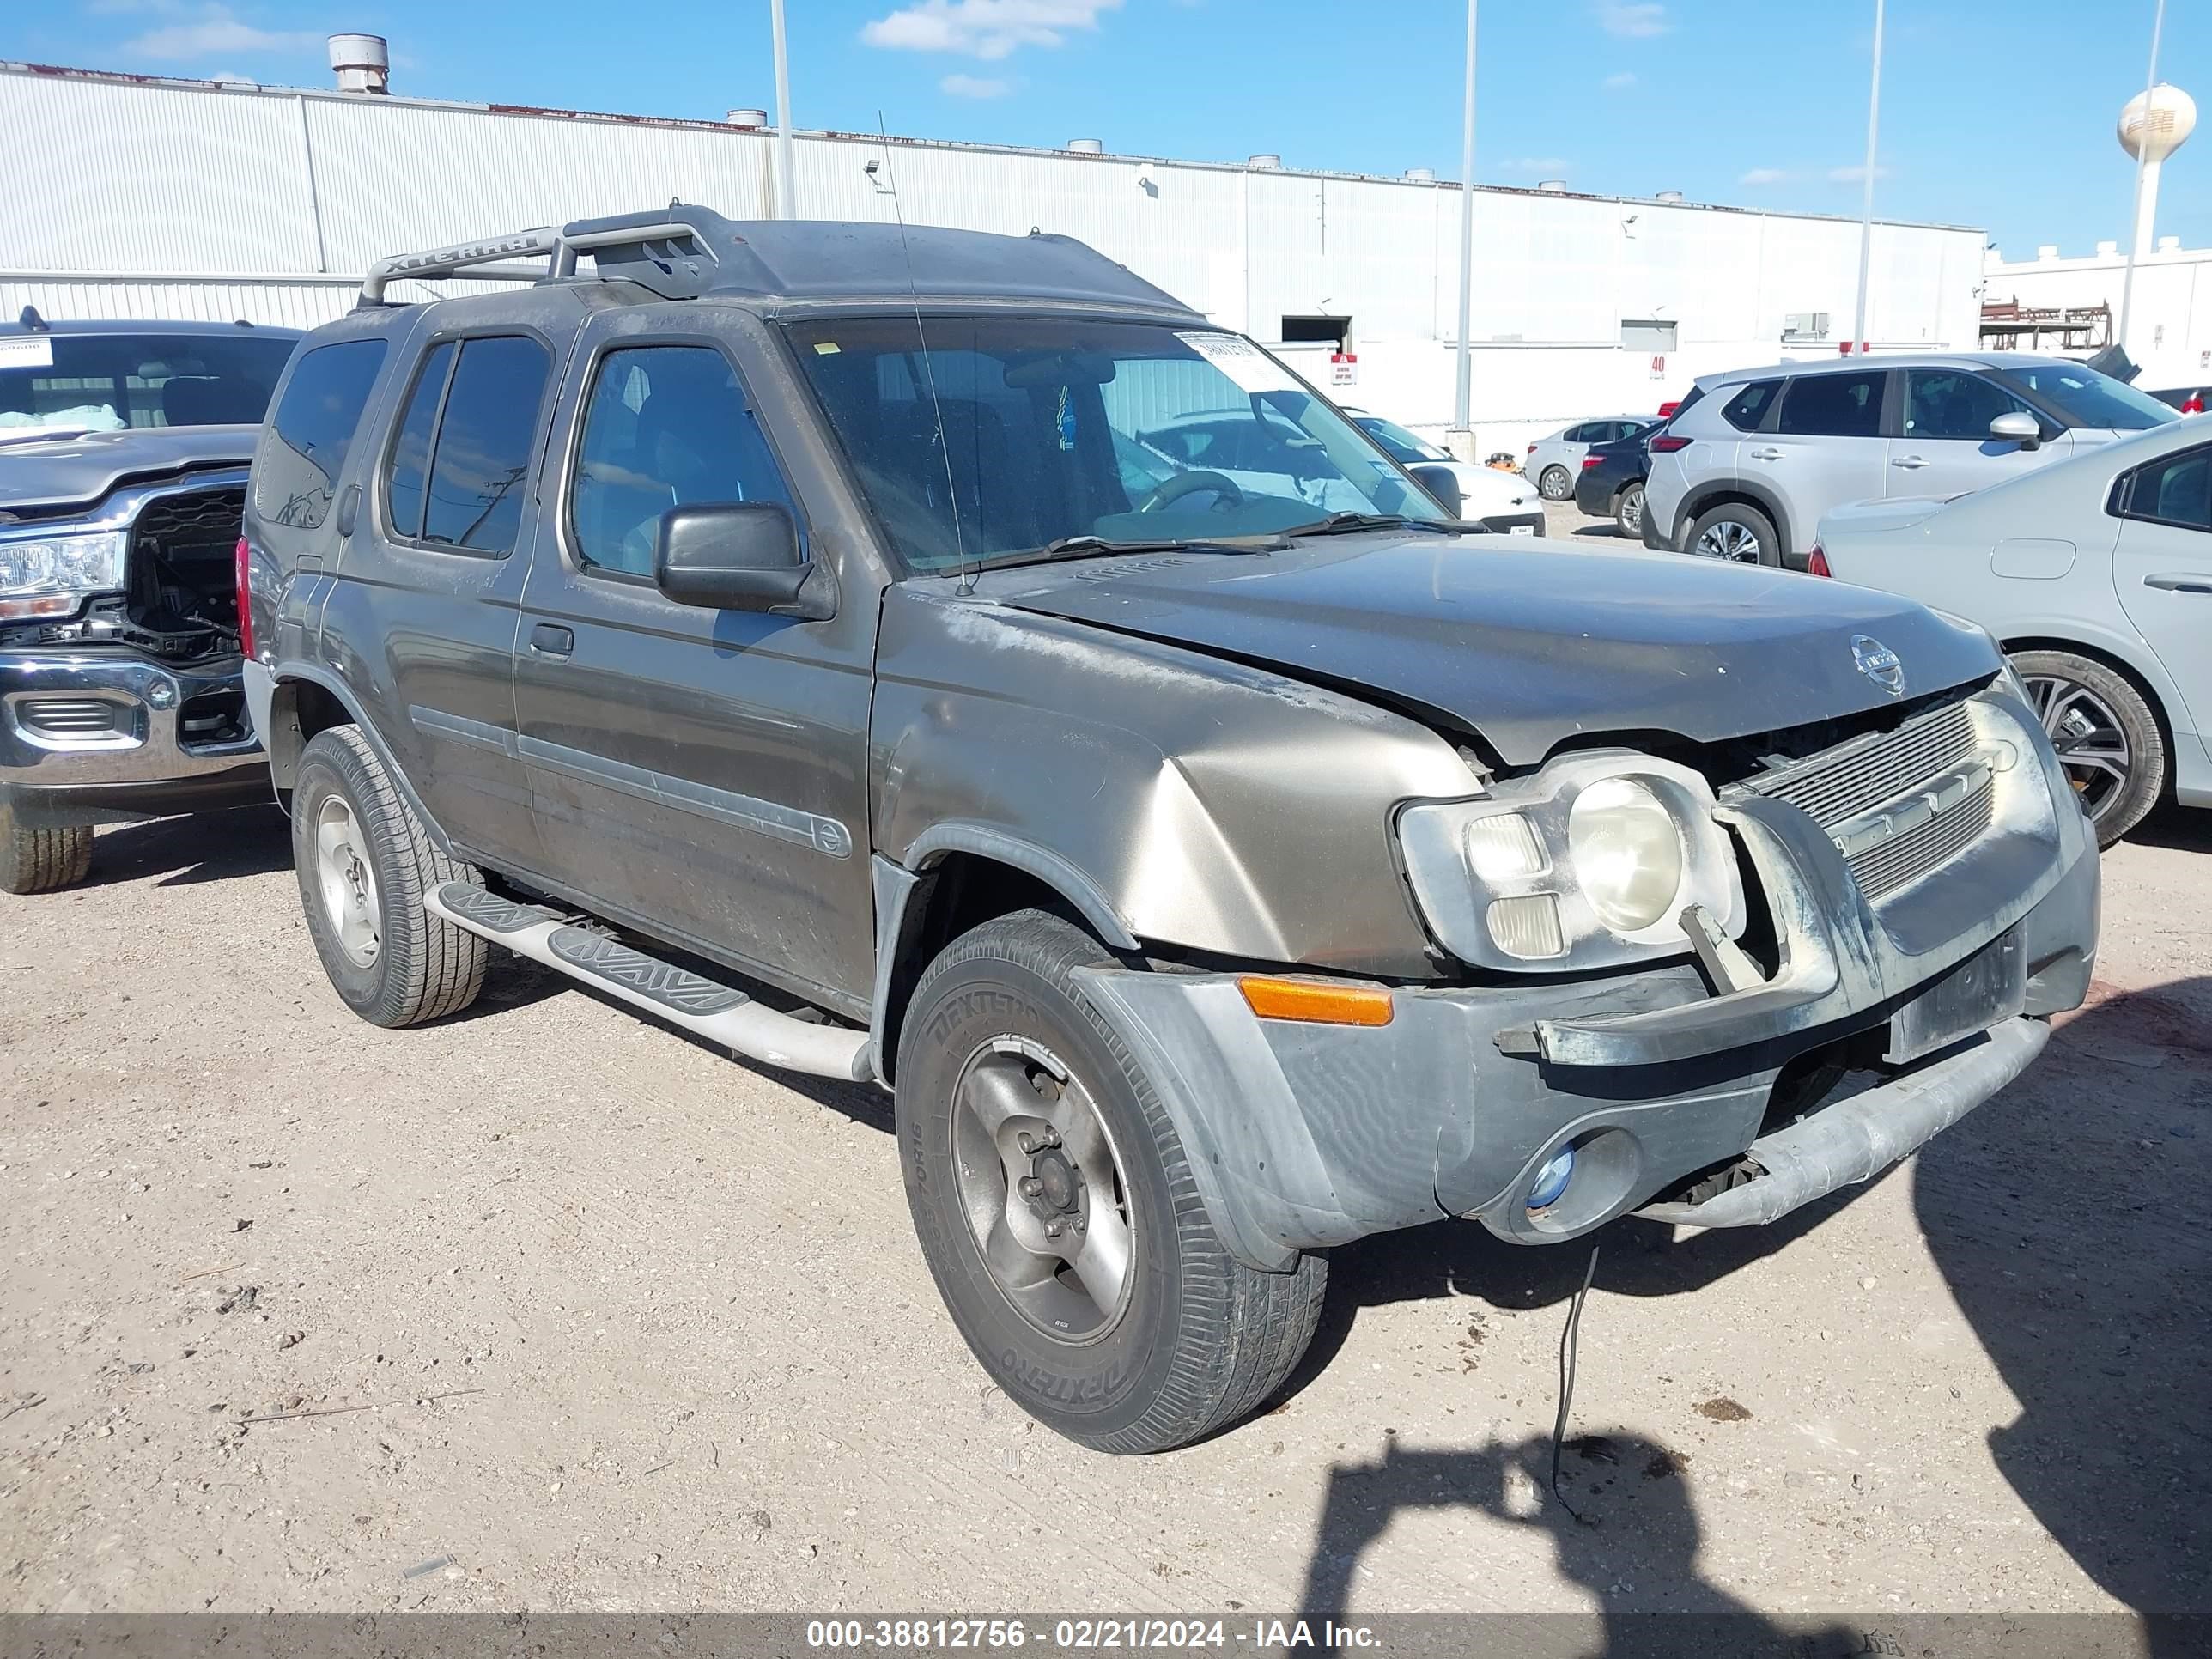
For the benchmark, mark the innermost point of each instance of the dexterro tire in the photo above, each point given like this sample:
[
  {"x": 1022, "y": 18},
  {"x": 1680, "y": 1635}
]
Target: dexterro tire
[
  {"x": 2094, "y": 712},
  {"x": 1196, "y": 1340},
  {"x": 364, "y": 864},
  {"x": 38, "y": 861}
]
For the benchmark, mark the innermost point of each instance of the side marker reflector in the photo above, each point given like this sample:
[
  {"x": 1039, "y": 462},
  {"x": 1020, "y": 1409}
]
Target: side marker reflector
[{"x": 1318, "y": 1005}]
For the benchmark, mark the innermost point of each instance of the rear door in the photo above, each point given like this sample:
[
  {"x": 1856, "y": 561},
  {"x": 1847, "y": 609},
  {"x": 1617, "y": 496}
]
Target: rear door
[
  {"x": 700, "y": 774},
  {"x": 1943, "y": 447},
  {"x": 1826, "y": 447},
  {"x": 2162, "y": 568}
]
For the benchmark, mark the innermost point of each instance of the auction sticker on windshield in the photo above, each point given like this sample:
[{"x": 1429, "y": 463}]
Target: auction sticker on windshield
[
  {"x": 1253, "y": 369},
  {"x": 27, "y": 351}
]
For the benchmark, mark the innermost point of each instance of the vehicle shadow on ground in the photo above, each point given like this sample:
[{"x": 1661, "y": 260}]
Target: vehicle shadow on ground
[
  {"x": 2184, "y": 828},
  {"x": 1631, "y": 1540},
  {"x": 181, "y": 851},
  {"x": 1602, "y": 532},
  {"x": 2068, "y": 1218}
]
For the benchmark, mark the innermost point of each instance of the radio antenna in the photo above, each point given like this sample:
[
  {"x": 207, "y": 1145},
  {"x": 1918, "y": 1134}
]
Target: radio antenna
[{"x": 928, "y": 371}]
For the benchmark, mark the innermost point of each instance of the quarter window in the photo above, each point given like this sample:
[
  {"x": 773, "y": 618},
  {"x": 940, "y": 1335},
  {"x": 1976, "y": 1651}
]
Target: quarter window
[
  {"x": 475, "y": 428},
  {"x": 2176, "y": 490},
  {"x": 1839, "y": 405},
  {"x": 311, "y": 430},
  {"x": 665, "y": 425},
  {"x": 1945, "y": 403},
  {"x": 1749, "y": 407}
]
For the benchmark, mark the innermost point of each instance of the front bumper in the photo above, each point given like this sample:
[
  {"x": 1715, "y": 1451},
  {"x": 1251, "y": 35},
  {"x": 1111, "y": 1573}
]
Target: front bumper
[
  {"x": 1515, "y": 524},
  {"x": 1304, "y": 1136},
  {"x": 99, "y": 735}
]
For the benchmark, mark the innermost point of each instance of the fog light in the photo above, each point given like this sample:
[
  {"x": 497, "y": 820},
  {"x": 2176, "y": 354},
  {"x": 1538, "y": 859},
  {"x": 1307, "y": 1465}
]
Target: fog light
[
  {"x": 1552, "y": 1180},
  {"x": 1528, "y": 927}
]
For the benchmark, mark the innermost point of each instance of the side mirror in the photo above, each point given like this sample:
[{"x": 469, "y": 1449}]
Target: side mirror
[
  {"x": 1441, "y": 481},
  {"x": 737, "y": 556},
  {"x": 2018, "y": 426}
]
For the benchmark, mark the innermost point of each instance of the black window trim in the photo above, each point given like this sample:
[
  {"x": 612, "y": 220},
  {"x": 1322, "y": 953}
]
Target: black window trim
[
  {"x": 2120, "y": 503},
  {"x": 585, "y": 382},
  {"x": 458, "y": 337}
]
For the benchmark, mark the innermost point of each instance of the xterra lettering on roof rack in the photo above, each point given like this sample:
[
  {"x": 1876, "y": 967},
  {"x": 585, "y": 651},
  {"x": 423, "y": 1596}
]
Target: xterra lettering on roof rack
[{"x": 685, "y": 252}]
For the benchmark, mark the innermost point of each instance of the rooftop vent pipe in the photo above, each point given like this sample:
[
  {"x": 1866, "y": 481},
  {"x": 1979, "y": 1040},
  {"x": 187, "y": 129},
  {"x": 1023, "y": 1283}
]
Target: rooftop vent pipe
[
  {"x": 1557, "y": 186},
  {"x": 362, "y": 62},
  {"x": 1087, "y": 146},
  {"x": 1669, "y": 196},
  {"x": 1265, "y": 161},
  {"x": 747, "y": 120},
  {"x": 1420, "y": 175}
]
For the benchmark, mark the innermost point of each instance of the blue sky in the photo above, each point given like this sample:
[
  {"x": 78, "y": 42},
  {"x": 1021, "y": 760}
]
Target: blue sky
[{"x": 2000, "y": 117}]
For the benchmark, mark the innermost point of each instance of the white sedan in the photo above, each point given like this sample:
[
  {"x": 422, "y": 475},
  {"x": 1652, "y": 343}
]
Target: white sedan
[{"x": 1496, "y": 501}]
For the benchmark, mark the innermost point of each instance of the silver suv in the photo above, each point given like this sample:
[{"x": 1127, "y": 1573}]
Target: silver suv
[{"x": 1754, "y": 456}]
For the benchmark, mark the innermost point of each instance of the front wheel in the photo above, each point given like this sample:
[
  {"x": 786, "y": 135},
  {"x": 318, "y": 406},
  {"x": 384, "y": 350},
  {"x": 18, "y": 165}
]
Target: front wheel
[
  {"x": 1554, "y": 485},
  {"x": 2107, "y": 737},
  {"x": 1056, "y": 1208},
  {"x": 1628, "y": 512}
]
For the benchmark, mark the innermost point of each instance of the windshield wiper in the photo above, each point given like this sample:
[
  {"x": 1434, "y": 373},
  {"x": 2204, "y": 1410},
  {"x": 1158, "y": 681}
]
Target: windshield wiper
[
  {"x": 1338, "y": 524},
  {"x": 1089, "y": 547}
]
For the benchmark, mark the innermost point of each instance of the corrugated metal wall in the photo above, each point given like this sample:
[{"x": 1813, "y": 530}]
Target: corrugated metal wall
[{"x": 190, "y": 200}]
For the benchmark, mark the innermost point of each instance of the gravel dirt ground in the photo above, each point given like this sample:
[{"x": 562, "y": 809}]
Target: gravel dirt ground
[{"x": 547, "y": 1307}]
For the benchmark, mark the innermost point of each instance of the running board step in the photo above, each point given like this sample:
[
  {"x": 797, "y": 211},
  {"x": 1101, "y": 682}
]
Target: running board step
[{"x": 706, "y": 1007}]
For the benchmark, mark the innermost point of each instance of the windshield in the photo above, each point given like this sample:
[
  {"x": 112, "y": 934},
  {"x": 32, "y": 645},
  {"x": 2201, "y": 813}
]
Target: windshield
[
  {"x": 105, "y": 382},
  {"x": 1009, "y": 434},
  {"x": 1403, "y": 447},
  {"x": 2085, "y": 398}
]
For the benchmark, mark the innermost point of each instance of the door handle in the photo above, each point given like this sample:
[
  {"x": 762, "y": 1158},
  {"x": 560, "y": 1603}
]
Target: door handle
[
  {"x": 552, "y": 640},
  {"x": 1909, "y": 460},
  {"x": 2180, "y": 584},
  {"x": 1765, "y": 454}
]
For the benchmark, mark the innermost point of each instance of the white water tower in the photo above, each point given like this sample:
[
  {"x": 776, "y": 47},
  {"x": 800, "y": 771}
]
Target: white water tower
[{"x": 2153, "y": 125}]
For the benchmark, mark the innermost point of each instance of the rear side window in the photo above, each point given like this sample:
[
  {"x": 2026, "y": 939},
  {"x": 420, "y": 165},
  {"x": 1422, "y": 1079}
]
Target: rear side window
[
  {"x": 1834, "y": 405},
  {"x": 2176, "y": 490},
  {"x": 305, "y": 450},
  {"x": 1749, "y": 407},
  {"x": 460, "y": 465},
  {"x": 666, "y": 426}
]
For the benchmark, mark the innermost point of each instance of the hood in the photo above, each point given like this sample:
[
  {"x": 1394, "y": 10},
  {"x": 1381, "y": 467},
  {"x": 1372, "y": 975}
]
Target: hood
[
  {"x": 40, "y": 473},
  {"x": 1526, "y": 646}
]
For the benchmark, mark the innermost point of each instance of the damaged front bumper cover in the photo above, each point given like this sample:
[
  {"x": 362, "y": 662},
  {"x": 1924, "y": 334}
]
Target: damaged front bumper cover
[{"x": 1303, "y": 1136}]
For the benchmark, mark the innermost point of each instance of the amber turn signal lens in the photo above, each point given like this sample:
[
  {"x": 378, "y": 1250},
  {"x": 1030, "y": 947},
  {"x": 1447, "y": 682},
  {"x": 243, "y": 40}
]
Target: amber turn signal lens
[{"x": 1320, "y": 1005}]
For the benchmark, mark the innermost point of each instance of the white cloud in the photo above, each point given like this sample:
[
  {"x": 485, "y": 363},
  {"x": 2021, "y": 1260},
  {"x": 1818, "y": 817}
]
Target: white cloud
[
  {"x": 214, "y": 31},
  {"x": 1615, "y": 82},
  {"x": 974, "y": 86},
  {"x": 124, "y": 8},
  {"x": 1854, "y": 175},
  {"x": 1632, "y": 21},
  {"x": 989, "y": 29},
  {"x": 1550, "y": 165},
  {"x": 1759, "y": 176}
]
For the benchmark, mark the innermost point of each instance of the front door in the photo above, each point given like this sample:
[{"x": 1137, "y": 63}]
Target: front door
[
  {"x": 2162, "y": 570},
  {"x": 700, "y": 774},
  {"x": 1945, "y": 448}
]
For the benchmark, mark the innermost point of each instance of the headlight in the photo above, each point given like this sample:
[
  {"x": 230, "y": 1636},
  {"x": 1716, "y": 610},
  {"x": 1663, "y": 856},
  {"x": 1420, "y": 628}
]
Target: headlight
[
  {"x": 1627, "y": 854},
  {"x": 1588, "y": 864},
  {"x": 46, "y": 576}
]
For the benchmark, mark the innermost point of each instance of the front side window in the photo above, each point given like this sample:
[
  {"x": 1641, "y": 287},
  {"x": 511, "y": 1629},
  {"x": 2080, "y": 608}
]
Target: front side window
[
  {"x": 1950, "y": 403},
  {"x": 2176, "y": 490},
  {"x": 304, "y": 448},
  {"x": 1839, "y": 405},
  {"x": 1745, "y": 411},
  {"x": 68, "y": 382},
  {"x": 461, "y": 461},
  {"x": 2085, "y": 398},
  {"x": 975, "y": 439},
  {"x": 665, "y": 425}
]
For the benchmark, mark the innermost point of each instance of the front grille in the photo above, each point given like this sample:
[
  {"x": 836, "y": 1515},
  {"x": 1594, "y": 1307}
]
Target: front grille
[
  {"x": 1841, "y": 786},
  {"x": 67, "y": 717},
  {"x": 194, "y": 524}
]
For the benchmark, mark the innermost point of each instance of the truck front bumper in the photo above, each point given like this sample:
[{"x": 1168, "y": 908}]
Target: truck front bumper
[
  {"x": 98, "y": 737},
  {"x": 1307, "y": 1135}
]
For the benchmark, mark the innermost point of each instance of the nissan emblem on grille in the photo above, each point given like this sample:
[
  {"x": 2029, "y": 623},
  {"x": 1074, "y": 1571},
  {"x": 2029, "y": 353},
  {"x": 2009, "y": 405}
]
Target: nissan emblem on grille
[{"x": 1878, "y": 664}]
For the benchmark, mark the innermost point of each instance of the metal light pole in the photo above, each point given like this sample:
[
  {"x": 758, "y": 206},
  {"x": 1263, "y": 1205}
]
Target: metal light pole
[
  {"x": 2137, "y": 243},
  {"x": 786, "y": 185},
  {"x": 1462, "y": 422},
  {"x": 1866, "y": 211}
]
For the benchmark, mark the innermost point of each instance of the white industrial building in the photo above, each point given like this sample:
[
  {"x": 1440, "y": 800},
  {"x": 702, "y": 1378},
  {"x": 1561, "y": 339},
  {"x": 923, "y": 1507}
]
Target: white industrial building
[
  {"x": 151, "y": 197},
  {"x": 2169, "y": 314}
]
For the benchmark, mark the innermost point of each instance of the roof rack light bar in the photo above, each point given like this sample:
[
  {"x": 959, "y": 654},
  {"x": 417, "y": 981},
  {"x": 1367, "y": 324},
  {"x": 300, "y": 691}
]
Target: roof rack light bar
[{"x": 558, "y": 248}]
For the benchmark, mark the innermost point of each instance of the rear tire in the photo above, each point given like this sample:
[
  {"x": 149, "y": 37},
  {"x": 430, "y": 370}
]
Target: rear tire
[
  {"x": 2106, "y": 733},
  {"x": 1737, "y": 531},
  {"x": 1628, "y": 512},
  {"x": 364, "y": 864},
  {"x": 1183, "y": 1340},
  {"x": 1554, "y": 485},
  {"x": 39, "y": 860}
]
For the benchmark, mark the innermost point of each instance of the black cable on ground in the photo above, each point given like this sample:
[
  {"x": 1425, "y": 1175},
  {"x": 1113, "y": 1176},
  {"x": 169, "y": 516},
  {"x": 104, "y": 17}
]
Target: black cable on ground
[{"x": 1569, "y": 1339}]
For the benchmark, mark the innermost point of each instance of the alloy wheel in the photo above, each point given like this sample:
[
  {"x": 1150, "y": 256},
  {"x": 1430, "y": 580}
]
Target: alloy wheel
[
  {"x": 1727, "y": 540},
  {"x": 347, "y": 878},
  {"x": 1554, "y": 485},
  {"x": 1041, "y": 1188},
  {"x": 2092, "y": 743}
]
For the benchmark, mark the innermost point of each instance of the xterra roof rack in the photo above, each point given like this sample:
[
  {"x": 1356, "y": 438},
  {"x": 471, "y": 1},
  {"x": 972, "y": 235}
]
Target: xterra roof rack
[{"x": 685, "y": 252}]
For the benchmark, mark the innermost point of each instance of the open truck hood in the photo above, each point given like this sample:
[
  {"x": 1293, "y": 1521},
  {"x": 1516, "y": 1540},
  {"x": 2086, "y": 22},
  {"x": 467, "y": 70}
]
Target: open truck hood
[
  {"x": 39, "y": 475},
  {"x": 1526, "y": 646}
]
